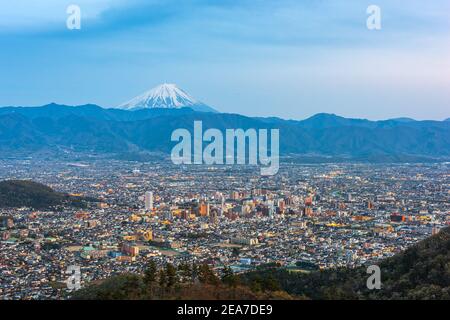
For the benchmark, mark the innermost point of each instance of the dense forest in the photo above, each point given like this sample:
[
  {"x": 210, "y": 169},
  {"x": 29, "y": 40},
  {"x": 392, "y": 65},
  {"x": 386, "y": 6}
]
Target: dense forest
[
  {"x": 420, "y": 272},
  {"x": 186, "y": 282},
  {"x": 23, "y": 193}
]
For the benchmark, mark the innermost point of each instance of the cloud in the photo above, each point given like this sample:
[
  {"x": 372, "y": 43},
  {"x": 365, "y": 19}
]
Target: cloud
[
  {"x": 271, "y": 23},
  {"x": 238, "y": 55}
]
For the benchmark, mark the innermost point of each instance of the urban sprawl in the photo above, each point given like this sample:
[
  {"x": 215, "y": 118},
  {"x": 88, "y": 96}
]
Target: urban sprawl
[{"x": 318, "y": 215}]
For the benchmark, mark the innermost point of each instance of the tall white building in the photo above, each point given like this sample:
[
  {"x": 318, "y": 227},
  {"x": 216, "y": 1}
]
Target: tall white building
[{"x": 149, "y": 201}]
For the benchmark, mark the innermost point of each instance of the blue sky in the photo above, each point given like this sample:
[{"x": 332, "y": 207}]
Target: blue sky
[{"x": 286, "y": 58}]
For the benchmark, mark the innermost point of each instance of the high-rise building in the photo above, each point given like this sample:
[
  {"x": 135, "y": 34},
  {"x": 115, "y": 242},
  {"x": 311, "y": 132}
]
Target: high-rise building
[
  {"x": 308, "y": 201},
  {"x": 271, "y": 208},
  {"x": 281, "y": 205},
  {"x": 149, "y": 201},
  {"x": 204, "y": 209},
  {"x": 130, "y": 250},
  {"x": 213, "y": 216},
  {"x": 222, "y": 206},
  {"x": 308, "y": 211},
  {"x": 186, "y": 214}
]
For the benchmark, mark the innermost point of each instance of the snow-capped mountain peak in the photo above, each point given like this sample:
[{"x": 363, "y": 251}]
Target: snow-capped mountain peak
[{"x": 167, "y": 96}]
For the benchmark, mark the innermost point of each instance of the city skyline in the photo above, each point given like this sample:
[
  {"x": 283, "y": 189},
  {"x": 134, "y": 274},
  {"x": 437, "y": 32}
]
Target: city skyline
[
  {"x": 285, "y": 59},
  {"x": 307, "y": 217}
]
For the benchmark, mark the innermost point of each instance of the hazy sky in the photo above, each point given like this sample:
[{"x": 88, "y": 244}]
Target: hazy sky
[{"x": 283, "y": 58}]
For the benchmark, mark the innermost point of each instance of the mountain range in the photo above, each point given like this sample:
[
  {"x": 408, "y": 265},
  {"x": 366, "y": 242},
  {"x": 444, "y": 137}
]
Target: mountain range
[{"x": 90, "y": 128}]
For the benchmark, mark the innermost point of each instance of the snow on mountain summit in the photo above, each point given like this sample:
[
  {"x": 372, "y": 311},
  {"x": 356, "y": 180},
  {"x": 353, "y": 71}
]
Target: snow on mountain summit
[
  {"x": 162, "y": 96},
  {"x": 167, "y": 96}
]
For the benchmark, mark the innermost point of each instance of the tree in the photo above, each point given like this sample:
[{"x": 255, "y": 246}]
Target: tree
[
  {"x": 162, "y": 278},
  {"x": 185, "y": 271},
  {"x": 195, "y": 272},
  {"x": 206, "y": 275},
  {"x": 150, "y": 273},
  {"x": 171, "y": 275},
  {"x": 271, "y": 284},
  {"x": 229, "y": 278}
]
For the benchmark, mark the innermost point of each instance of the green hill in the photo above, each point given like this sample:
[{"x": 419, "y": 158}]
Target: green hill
[
  {"x": 186, "y": 282},
  {"x": 420, "y": 272},
  {"x": 21, "y": 193}
]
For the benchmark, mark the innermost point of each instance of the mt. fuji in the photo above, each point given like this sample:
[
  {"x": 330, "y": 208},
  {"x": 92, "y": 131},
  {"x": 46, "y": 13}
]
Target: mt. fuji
[{"x": 167, "y": 96}]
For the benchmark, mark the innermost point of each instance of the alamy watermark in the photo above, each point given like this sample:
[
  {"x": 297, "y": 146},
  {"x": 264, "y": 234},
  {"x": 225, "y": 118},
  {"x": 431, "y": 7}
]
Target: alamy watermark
[
  {"x": 73, "y": 21},
  {"x": 374, "y": 20},
  {"x": 237, "y": 150},
  {"x": 73, "y": 282},
  {"x": 374, "y": 281}
]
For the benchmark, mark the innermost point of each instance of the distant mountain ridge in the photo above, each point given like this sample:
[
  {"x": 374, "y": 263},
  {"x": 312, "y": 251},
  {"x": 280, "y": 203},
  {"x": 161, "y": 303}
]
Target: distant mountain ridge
[{"x": 90, "y": 128}]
